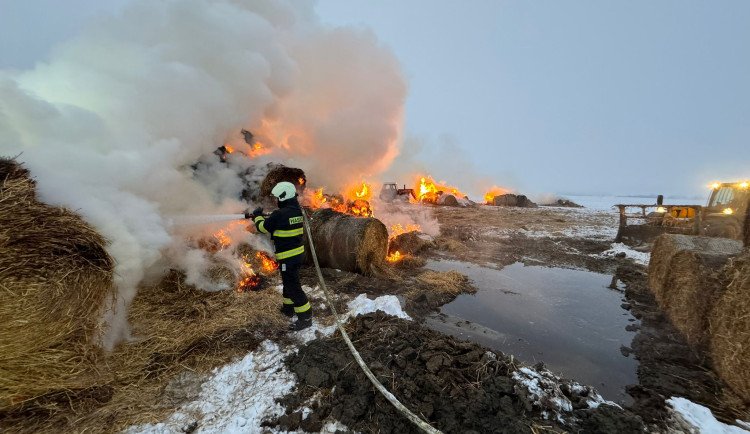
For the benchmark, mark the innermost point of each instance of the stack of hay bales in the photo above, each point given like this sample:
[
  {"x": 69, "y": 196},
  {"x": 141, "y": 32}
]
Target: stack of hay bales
[
  {"x": 730, "y": 330},
  {"x": 347, "y": 243},
  {"x": 57, "y": 280},
  {"x": 687, "y": 278}
]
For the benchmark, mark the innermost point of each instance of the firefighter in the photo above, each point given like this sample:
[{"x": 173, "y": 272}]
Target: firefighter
[{"x": 285, "y": 227}]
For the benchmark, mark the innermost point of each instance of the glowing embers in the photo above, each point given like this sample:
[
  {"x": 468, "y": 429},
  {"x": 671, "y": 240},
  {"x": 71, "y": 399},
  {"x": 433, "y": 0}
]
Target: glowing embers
[
  {"x": 249, "y": 279},
  {"x": 394, "y": 257}
]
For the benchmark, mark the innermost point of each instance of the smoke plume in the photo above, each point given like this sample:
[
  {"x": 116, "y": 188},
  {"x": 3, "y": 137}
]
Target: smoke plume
[{"x": 113, "y": 122}]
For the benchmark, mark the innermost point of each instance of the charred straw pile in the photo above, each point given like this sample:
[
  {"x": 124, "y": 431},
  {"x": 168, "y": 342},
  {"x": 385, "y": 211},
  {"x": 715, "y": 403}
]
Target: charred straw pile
[
  {"x": 687, "y": 277},
  {"x": 346, "y": 242},
  {"x": 283, "y": 174},
  {"x": 730, "y": 330},
  {"x": 56, "y": 279}
]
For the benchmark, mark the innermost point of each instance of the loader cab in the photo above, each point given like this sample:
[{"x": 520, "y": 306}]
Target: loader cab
[
  {"x": 725, "y": 212},
  {"x": 729, "y": 198}
]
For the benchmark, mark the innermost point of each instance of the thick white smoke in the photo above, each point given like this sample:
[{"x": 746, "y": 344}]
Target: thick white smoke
[{"x": 112, "y": 122}]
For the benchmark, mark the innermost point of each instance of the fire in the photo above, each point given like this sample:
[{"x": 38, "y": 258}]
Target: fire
[
  {"x": 301, "y": 181},
  {"x": 257, "y": 145},
  {"x": 398, "y": 229},
  {"x": 364, "y": 193},
  {"x": 429, "y": 191},
  {"x": 269, "y": 265},
  {"x": 248, "y": 278},
  {"x": 494, "y": 192},
  {"x": 394, "y": 257},
  {"x": 229, "y": 148},
  {"x": 223, "y": 238}
]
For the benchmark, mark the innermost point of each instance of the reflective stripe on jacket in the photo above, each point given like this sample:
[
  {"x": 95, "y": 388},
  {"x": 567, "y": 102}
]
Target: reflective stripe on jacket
[{"x": 285, "y": 227}]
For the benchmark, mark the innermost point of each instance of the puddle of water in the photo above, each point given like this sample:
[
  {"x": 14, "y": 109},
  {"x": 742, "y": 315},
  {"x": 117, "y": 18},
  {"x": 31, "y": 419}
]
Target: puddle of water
[{"x": 568, "y": 319}]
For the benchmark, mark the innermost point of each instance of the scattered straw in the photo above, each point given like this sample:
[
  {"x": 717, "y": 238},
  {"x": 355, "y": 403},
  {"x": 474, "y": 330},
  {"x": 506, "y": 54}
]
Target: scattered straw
[{"x": 451, "y": 282}]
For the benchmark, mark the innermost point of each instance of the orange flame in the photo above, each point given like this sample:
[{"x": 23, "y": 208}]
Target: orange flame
[
  {"x": 398, "y": 229},
  {"x": 229, "y": 148},
  {"x": 223, "y": 238},
  {"x": 269, "y": 265},
  {"x": 248, "y": 279},
  {"x": 429, "y": 191},
  {"x": 302, "y": 181},
  {"x": 494, "y": 192},
  {"x": 394, "y": 257}
]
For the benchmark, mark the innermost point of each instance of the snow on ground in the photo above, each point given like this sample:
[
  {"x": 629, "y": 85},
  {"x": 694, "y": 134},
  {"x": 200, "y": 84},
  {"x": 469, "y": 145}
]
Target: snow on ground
[
  {"x": 238, "y": 397},
  {"x": 619, "y": 248},
  {"x": 695, "y": 418},
  {"x": 543, "y": 390}
]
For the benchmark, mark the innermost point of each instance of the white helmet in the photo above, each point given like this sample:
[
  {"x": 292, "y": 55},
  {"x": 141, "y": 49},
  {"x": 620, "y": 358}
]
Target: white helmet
[{"x": 283, "y": 191}]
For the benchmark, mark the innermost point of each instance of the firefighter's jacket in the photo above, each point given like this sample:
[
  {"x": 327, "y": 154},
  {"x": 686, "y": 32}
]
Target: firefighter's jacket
[{"x": 285, "y": 227}]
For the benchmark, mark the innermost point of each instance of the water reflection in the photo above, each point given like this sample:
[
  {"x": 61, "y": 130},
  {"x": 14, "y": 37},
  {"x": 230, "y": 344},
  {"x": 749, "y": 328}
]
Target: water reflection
[{"x": 568, "y": 319}]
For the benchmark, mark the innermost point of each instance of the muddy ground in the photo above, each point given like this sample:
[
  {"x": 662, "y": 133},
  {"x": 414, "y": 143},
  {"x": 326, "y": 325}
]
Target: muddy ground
[{"x": 454, "y": 393}]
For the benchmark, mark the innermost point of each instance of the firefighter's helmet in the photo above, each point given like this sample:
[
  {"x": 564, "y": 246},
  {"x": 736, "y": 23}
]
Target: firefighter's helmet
[{"x": 283, "y": 191}]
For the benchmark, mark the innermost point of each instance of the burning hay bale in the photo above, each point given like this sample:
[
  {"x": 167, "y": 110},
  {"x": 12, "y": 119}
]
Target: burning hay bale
[
  {"x": 57, "y": 280},
  {"x": 408, "y": 243},
  {"x": 346, "y": 242},
  {"x": 512, "y": 200},
  {"x": 730, "y": 330},
  {"x": 281, "y": 174}
]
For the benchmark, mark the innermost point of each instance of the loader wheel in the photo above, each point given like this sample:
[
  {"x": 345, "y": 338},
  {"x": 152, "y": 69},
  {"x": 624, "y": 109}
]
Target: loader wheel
[{"x": 724, "y": 229}]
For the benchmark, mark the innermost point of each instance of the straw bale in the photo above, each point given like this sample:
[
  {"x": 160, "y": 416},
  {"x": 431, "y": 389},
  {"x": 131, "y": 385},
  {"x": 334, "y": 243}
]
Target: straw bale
[
  {"x": 280, "y": 174},
  {"x": 447, "y": 200},
  {"x": 694, "y": 283},
  {"x": 408, "y": 243},
  {"x": 667, "y": 245},
  {"x": 730, "y": 330},
  {"x": 348, "y": 243},
  {"x": 56, "y": 278}
]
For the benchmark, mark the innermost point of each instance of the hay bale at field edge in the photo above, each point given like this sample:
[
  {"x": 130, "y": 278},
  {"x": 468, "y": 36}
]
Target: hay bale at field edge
[
  {"x": 57, "y": 281},
  {"x": 730, "y": 330},
  {"x": 667, "y": 245},
  {"x": 693, "y": 284}
]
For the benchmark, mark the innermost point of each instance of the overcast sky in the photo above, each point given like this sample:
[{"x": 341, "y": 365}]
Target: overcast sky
[{"x": 629, "y": 97}]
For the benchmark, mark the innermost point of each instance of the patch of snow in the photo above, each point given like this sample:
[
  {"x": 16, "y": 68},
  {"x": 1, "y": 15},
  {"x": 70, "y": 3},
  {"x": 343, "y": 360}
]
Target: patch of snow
[
  {"x": 386, "y": 303},
  {"x": 543, "y": 390},
  {"x": 235, "y": 398},
  {"x": 638, "y": 257},
  {"x": 238, "y": 397},
  {"x": 699, "y": 418}
]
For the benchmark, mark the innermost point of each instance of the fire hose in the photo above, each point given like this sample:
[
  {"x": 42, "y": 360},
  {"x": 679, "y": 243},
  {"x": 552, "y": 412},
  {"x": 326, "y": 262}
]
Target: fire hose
[{"x": 422, "y": 425}]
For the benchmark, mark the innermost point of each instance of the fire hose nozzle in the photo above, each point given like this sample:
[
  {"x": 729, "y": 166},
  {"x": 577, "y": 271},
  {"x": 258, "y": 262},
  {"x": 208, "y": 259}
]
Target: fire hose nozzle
[{"x": 248, "y": 214}]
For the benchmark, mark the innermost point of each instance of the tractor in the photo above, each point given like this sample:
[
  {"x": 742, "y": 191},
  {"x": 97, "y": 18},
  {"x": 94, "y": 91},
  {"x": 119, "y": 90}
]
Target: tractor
[
  {"x": 723, "y": 216},
  {"x": 391, "y": 192}
]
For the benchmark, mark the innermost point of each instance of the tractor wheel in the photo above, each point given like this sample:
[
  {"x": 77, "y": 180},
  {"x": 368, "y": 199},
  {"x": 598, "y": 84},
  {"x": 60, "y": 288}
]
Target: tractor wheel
[{"x": 724, "y": 228}]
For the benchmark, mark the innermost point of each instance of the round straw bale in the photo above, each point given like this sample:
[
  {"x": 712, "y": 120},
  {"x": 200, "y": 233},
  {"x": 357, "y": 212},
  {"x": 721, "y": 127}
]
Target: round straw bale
[
  {"x": 348, "y": 243},
  {"x": 667, "y": 245},
  {"x": 56, "y": 279},
  {"x": 694, "y": 283},
  {"x": 730, "y": 331},
  {"x": 280, "y": 174},
  {"x": 447, "y": 200},
  {"x": 408, "y": 243}
]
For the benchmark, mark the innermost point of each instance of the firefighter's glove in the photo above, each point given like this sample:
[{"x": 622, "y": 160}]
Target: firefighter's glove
[{"x": 257, "y": 212}]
